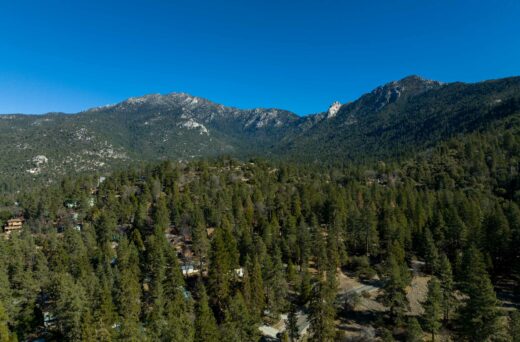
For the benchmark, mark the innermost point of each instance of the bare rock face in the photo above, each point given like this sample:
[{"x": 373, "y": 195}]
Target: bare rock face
[{"x": 333, "y": 109}]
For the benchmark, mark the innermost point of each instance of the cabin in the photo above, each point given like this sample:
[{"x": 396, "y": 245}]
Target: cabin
[
  {"x": 13, "y": 225},
  {"x": 71, "y": 203},
  {"x": 189, "y": 270},
  {"x": 239, "y": 272}
]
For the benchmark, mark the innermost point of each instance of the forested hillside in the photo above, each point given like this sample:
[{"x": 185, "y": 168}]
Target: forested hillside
[
  {"x": 218, "y": 250},
  {"x": 392, "y": 122},
  {"x": 403, "y": 117}
]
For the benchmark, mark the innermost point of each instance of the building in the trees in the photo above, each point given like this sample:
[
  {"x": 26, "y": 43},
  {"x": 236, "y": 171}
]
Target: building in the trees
[
  {"x": 13, "y": 225},
  {"x": 189, "y": 270}
]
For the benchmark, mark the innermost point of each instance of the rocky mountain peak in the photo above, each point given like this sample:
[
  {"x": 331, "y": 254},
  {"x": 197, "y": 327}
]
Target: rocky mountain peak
[
  {"x": 409, "y": 86},
  {"x": 333, "y": 109}
]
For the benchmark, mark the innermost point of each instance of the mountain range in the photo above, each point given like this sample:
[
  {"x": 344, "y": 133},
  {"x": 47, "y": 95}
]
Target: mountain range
[{"x": 392, "y": 121}]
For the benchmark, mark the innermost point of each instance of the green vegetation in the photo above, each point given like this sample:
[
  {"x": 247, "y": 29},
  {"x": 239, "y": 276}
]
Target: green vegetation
[
  {"x": 390, "y": 124},
  {"x": 211, "y": 250}
]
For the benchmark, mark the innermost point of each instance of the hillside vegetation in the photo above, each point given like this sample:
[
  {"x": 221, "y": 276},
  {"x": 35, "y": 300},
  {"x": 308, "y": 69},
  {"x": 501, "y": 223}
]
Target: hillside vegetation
[
  {"x": 103, "y": 261},
  {"x": 392, "y": 122}
]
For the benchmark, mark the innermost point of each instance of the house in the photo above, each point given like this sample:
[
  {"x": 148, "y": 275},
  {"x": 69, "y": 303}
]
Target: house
[
  {"x": 13, "y": 225},
  {"x": 71, "y": 203},
  {"x": 49, "y": 320},
  {"x": 239, "y": 272},
  {"x": 189, "y": 270}
]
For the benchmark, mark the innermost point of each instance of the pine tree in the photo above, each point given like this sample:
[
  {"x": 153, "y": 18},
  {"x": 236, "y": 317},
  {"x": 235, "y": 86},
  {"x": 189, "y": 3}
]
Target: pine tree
[
  {"x": 305, "y": 285},
  {"x": 394, "y": 296},
  {"x": 478, "y": 318},
  {"x": 5, "y": 336},
  {"x": 414, "y": 332},
  {"x": 220, "y": 273},
  {"x": 180, "y": 326},
  {"x": 105, "y": 313},
  {"x": 498, "y": 237},
  {"x": 239, "y": 325},
  {"x": 206, "y": 329},
  {"x": 292, "y": 324},
  {"x": 129, "y": 291},
  {"x": 156, "y": 262},
  {"x": 319, "y": 247},
  {"x": 129, "y": 273},
  {"x": 446, "y": 281},
  {"x": 322, "y": 313},
  {"x": 88, "y": 333},
  {"x": 514, "y": 326},
  {"x": 431, "y": 254},
  {"x": 161, "y": 216},
  {"x": 70, "y": 306},
  {"x": 200, "y": 242},
  {"x": 369, "y": 227},
  {"x": 456, "y": 231},
  {"x": 433, "y": 307},
  {"x": 277, "y": 287},
  {"x": 106, "y": 227},
  {"x": 257, "y": 288}
]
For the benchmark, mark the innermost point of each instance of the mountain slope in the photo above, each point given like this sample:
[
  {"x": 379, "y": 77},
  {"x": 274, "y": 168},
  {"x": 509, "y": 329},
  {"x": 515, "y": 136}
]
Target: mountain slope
[
  {"x": 173, "y": 126},
  {"x": 402, "y": 117},
  {"x": 393, "y": 121}
]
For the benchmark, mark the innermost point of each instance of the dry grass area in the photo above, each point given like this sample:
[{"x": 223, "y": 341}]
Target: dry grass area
[
  {"x": 416, "y": 294},
  {"x": 358, "y": 323},
  {"x": 346, "y": 283}
]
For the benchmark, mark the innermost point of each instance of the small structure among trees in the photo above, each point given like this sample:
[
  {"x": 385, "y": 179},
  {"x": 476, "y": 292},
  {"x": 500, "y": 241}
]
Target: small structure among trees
[{"x": 13, "y": 225}]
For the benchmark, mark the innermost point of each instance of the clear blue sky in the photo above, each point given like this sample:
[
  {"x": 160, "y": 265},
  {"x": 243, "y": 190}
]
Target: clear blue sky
[{"x": 298, "y": 55}]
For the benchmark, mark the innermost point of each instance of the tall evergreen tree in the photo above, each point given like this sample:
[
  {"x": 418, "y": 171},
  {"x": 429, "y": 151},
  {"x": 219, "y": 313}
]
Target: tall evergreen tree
[
  {"x": 433, "y": 307},
  {"x": 239, "y": 325},
  {"x": 394, "y": 296},
  {"x": 431, "y": 254},
  {"x": 206, "y": 329},
  {"x": 5, "y": 336},
  {"x": 514, "y": 326},
  {"x": 257, "y": 288},
  {"x": 293, "y": 331},
  {"x": 322, "y": 313},
  {"x": 277, "y": 287},
  {"x": 221, "y": 272},
  {"x": 414, "y": 332},
  {"x": 70, "y": 307},
  {"x": 446, "y": 282},
  {"x": 180, "y": 326},
  {"x": 129, "y": 291},
  {"x": 479, "y": 316}
]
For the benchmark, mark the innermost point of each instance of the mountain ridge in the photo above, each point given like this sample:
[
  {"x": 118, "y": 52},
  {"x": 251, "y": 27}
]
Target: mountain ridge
[{"x": 394, "y": 119}]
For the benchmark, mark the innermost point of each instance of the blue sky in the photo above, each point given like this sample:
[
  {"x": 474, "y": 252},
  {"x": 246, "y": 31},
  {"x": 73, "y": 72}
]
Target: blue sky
[{"x": 296, "y": 55}]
